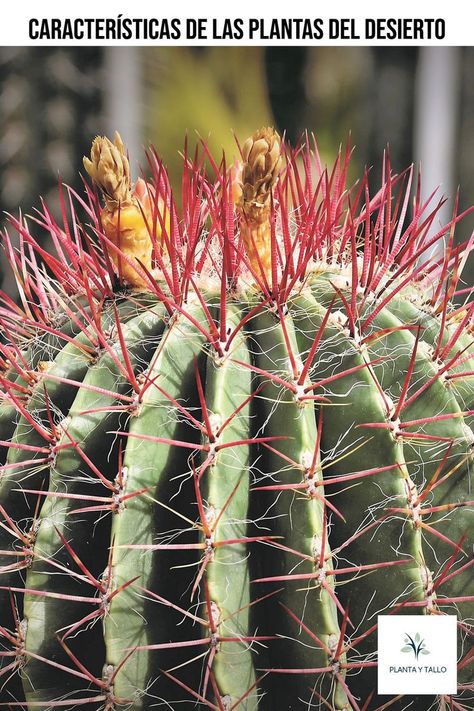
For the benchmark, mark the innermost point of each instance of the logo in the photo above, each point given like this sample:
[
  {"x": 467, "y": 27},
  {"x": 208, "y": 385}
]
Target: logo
[
  {"x": 417, "y": 645},
  {"x": 417, "y": 654}
]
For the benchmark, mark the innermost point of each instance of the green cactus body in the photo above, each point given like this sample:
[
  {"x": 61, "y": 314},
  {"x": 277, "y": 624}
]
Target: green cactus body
[
  {"x": 92, "y": 430},
  {"x": 141, "y": 521},
  {"x": 217, "y": 471}
]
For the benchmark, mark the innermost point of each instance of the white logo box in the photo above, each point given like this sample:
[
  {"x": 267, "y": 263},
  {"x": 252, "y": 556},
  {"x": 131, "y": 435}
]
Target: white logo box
[{"x": 417, "y": 654}]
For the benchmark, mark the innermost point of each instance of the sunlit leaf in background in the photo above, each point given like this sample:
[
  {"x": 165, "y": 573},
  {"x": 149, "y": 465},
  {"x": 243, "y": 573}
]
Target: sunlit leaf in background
[{"x": 203, "y": 92}]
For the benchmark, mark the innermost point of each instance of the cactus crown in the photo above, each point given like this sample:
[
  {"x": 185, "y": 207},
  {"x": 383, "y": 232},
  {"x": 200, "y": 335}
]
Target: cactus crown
[{"x": 232, "y": 432}]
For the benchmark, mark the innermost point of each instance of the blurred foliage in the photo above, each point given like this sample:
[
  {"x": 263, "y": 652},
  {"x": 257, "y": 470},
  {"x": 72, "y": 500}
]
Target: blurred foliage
[
  {"x": 367, "y": 93},
  {"x": 286, "y": 79},
  {"x": 203, "y": 92},
  {"x": 464, "y": 158},
  {"x": 50, "y": 105},
  {"x": 363, "y": 94}
]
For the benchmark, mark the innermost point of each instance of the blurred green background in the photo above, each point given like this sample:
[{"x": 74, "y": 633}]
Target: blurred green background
[{"x": 53, "y": 101}]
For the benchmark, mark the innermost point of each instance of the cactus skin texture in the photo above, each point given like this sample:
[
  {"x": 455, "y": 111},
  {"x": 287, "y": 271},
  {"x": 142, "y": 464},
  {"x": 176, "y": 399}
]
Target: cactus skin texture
[{"x": 231, "y": 434}]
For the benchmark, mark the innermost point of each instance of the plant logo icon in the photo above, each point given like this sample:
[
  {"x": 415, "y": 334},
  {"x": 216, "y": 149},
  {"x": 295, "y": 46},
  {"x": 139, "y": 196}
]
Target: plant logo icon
[{"x": 417, "y": 645}]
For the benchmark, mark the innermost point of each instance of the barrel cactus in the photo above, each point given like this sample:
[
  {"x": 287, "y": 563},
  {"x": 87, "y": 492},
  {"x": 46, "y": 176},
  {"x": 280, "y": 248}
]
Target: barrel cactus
[{"x": 233, "y": 432}]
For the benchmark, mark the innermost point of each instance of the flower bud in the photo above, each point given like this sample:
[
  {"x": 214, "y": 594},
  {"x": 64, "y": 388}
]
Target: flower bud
[{"x": 109, "y": 168}]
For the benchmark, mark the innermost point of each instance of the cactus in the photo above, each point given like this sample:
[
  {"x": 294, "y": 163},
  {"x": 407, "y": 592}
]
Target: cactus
[{"x": 232, "y": 433}]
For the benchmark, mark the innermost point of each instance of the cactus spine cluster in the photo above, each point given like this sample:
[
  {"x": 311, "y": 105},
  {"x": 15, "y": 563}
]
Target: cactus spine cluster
[{"x": 232, "y": 433}]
